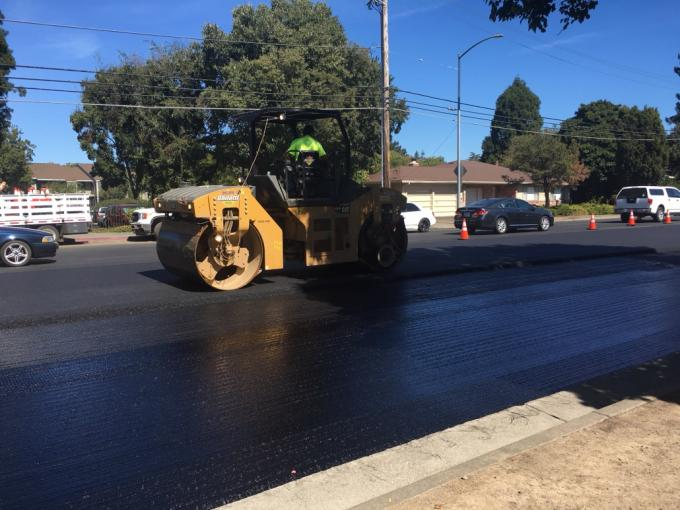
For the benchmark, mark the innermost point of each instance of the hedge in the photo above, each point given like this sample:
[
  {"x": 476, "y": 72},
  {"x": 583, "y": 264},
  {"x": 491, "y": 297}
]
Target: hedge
[{"x": 583, "y": 209}]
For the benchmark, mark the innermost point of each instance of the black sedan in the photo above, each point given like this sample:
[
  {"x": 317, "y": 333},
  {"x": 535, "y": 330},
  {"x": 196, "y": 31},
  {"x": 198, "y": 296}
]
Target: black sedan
[
  {"x": 502, "y": 214},
  {"x": 19, "y": 245}
]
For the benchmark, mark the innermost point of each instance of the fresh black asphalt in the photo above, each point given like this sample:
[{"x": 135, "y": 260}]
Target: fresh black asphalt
[{"x": 123, "y": 387}]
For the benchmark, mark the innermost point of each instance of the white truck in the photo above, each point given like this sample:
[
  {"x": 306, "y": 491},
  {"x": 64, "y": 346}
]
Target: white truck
[
  {"x": 58, "y": 214},
  {"x": 146, "y": 222}
]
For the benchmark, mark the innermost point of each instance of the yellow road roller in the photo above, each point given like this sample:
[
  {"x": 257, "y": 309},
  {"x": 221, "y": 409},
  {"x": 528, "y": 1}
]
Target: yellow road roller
[{"x": 294, "y": 204}]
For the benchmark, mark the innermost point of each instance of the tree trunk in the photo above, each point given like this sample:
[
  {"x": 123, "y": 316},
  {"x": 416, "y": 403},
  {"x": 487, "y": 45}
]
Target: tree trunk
[{"x": 546, "y": 191}]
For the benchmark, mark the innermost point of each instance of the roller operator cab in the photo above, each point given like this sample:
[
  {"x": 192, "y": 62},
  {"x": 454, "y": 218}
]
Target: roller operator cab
[{"x": 298, "y": 205}]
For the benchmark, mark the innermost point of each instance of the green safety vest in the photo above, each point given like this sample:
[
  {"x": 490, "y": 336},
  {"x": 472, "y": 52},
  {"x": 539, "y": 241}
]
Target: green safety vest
[{"x": 305, "y": 143}]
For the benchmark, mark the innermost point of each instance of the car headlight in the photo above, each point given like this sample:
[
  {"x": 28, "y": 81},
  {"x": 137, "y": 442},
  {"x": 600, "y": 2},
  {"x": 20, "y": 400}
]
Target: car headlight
[{"x": 47, "y": 239}]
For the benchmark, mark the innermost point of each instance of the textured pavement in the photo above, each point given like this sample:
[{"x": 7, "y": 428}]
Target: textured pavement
[{"x": 171, "y": 396}]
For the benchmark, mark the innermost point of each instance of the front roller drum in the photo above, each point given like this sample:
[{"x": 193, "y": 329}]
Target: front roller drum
[{"x": 184, "y": 248}]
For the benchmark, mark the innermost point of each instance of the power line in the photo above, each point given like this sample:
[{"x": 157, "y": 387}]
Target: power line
[
  {"x": 548, "y": 133},
  {"x": 171, "y": 77},
  {"x": 178, "y": 107},
  {"x": 545, "y": 118},
  {"x": 182, "y": 37},
  {"x": 512, "y": 40},
  {"x": 232, "y": 91}
]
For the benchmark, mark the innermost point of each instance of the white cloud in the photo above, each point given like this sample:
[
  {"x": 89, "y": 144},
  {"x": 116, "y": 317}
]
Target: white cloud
[
  {"x": 418, "y": 10},
  {"x": 78, "y": 46},
  {"x": 565, "y": 41}
]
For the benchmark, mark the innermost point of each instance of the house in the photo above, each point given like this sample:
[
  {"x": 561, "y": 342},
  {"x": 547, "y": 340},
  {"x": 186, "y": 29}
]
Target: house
[
  {"x": 71, "y": 178},
  {"x": 434, "y": 187}
]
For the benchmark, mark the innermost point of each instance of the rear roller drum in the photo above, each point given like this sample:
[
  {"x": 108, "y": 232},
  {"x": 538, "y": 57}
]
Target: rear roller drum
[
  {"x": 382, "y": 249},
  {"x": 189, "y": 249}
]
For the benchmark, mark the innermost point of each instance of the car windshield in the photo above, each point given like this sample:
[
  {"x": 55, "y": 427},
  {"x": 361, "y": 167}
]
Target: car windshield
[
  {"x": 633, "y": 193},
  {"x": 487, "y": 202}
]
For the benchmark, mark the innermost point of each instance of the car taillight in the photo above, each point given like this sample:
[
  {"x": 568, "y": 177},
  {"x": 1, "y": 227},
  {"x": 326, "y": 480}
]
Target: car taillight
[
  {"x": 457, "y": 212},
  {"x": 649, "y": 201},
  {"x": 480, "y": 212},
  {"x": 144, "y": 216}
]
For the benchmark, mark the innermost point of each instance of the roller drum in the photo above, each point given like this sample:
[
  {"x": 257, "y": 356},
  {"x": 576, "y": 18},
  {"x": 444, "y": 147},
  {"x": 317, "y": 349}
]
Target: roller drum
[{"x": 184, "y": 248}]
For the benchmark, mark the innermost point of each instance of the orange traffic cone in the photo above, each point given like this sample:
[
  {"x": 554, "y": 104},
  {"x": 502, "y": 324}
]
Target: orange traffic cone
[
  {"x": 631, "y": 219},
  {"x": 464, "y": 231},
  {"x": 667, "y": 218},
  {"x": 591, "y": 224}
]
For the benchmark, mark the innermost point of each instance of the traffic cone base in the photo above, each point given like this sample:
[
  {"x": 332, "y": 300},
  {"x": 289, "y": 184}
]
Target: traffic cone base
[
  {"x": 591, "y": 224},
  {"x": 631, "y": 219},
  {"x": 667, "y": 218},
  {"x": 464, "y": 236}
]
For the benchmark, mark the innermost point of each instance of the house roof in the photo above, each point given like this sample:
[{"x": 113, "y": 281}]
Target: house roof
[
  {"x": 56, "y": 172},
  {"x": 476, "y": 172}
]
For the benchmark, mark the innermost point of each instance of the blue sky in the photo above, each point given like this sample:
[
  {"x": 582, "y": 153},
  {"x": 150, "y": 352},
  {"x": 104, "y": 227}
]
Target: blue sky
[{"x": 625, "y": 53}]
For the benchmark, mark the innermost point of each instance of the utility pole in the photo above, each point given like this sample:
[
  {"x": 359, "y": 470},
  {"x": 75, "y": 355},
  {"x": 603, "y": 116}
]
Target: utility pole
[{"x": 386, "y": 96}]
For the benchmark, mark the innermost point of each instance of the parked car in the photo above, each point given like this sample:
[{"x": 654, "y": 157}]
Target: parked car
[
  {"x": 418, "y": 218},
  {"x": 99, "y": 216},
  {"x": 118, "y": 215},
  {"x": 502, "y": 214},
  {"x": 147, "y": 222},
  {"x": 19, "y": 245},
  {"x": 651, "y": 201}
]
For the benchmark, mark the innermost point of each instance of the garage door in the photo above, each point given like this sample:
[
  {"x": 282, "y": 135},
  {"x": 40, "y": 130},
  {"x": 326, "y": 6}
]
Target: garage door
[{"x": 441, "y": 204}]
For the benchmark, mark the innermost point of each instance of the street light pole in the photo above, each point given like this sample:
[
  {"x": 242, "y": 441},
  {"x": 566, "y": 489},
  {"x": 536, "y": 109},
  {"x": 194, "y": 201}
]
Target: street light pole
[{"x": 459, "y": 170}]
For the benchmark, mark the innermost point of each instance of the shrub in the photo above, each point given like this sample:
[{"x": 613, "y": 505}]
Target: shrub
[{"x": 583, "y": 209}]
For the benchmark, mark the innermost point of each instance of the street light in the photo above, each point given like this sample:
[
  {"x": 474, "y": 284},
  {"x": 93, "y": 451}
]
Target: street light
[{"x": 459, "y": 170}]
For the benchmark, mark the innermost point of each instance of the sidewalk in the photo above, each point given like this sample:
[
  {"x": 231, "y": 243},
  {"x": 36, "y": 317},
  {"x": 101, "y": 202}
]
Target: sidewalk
[{"x": 627, "y": 461}]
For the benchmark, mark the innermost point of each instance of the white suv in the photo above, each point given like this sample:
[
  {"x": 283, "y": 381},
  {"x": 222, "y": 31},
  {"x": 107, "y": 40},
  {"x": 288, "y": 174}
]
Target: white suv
[
  {"x": 652, "y": 201},
  {"x": 146, "y": 222}
]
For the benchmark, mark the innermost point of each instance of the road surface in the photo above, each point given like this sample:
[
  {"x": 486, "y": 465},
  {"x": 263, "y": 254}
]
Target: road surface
[{"x": 122, "y": 387}]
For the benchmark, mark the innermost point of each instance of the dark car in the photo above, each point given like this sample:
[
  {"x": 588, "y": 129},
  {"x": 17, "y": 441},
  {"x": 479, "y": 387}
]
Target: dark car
[
  {"x": 502, "y": 214},
  {"x": 19, "y": 245},
  {"x": 118, "y": 215}
]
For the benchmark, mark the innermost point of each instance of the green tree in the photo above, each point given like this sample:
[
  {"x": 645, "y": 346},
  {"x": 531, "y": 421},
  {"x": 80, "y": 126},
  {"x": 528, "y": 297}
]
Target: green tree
[
  {"x": 305, "y": 61},
  {"x": 546, "y": 159},
  {"x": 147, "y": 149},
  {"x": 517, "y": 109},
  {"x": 310, "y": 62},
  {"x": 537, "y": 12},
  {"x": 7, "y": 64},
  {"x": 620, "y": 145},
  {"x": 15, "y": 156},
  {"x": 431, "y": 161},
  {"x": 674, "y": 135}
]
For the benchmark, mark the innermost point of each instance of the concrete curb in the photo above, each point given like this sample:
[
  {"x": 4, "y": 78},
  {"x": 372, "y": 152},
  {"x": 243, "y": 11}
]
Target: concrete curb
[
  {"x": 503, "y": 453},
  {"x": 447, "y": 222},
  {"x": 103, "y": 239},
  {"x": 407, "y": 470}
]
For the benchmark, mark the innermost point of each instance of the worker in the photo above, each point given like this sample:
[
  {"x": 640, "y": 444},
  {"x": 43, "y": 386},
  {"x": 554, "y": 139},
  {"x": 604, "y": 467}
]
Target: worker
[{"x": 306, "y": 142}]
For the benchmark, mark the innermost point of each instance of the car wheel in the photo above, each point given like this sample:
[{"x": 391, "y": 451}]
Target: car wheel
[
  {"x": 659, "y": 214},
  {"x": 156, "y": 229},
  {"x": 15, "y": 253},
  {"x": 624, "y": 217},
  {"x": 543, "y": 223},
  {"x": 424, "y": 225},
  {"x": 53, "y": 231},
  {"x": 501, "y": 226}
]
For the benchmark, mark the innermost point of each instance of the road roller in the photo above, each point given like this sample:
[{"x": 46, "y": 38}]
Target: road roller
[{"x": 301, "y": 206}]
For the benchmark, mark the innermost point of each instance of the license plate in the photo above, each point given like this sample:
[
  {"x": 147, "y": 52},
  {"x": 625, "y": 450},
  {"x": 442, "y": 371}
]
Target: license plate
[{"x": 466, "y": 215}]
